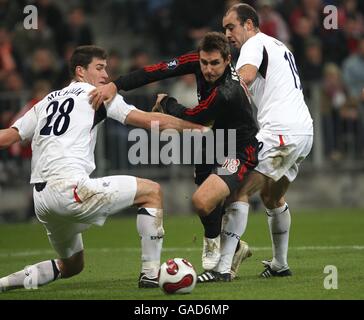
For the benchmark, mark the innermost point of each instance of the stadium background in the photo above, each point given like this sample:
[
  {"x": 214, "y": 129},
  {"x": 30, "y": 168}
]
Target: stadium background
[
  {"x": 326, "y": 199},
  {"x": 140, "y": 32}
]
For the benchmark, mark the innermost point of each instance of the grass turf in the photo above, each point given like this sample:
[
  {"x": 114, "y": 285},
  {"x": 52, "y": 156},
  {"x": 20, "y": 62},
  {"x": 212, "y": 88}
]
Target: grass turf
[{"x": 318, "y": 238}]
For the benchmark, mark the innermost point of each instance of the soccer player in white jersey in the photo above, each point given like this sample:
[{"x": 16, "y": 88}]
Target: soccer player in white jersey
[
  {"x": 267, "y": 68},
  {"x": 63, "y": 129}
]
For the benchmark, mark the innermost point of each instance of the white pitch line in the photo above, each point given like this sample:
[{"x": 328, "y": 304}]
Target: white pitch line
[{"x": 184, "y": 249}]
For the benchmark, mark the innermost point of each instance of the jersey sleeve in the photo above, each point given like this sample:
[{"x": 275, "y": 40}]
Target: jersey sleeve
[
  {"x": 185, "y": 64},
  {"x": 207, "y": 110},
  {"x": 27, "y": 124},
  {"x": 251, "y": 53},
  {"x": 118, "y": 109}
]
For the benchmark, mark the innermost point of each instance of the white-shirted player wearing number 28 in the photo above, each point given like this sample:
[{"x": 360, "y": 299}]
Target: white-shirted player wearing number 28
[{"x": 63, "y": 129}]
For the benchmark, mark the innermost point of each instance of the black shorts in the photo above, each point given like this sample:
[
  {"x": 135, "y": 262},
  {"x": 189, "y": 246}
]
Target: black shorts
[
  {"x": 233, "y": 170},
  {"x": 202, "y": 171}
]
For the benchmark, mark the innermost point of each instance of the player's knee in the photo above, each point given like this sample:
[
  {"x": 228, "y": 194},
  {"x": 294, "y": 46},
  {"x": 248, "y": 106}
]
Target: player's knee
[
  {"x": 73, "y": 270},
  {"x": 155, "y": 191},
  {"x": 269, "y": 201},
  {"x": 72, "y": 267},
  {"x": 149, "y": 194},
  {"x": 201, "y": 206}
]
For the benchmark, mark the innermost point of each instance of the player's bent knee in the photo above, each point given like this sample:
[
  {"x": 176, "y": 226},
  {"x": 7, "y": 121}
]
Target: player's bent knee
[
  {"x": 72, "y": 266},
  {"x": 149, "y": 193},
  {"x": 69, "y": 271},
  {"x": 152, "y": 188},
  {"x": 270, "y": 202},
  {"x": 155, "y": 191},
  {"x": 201, "y": 206}
]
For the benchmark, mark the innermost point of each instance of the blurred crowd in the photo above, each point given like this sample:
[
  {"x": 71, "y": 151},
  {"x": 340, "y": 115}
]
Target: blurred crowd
[{"x": 34, "y": 62}]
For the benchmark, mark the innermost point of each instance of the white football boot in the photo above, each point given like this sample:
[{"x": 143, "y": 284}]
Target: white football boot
[
  {"x": 239, "y": 256},
  {"x": 211, "y": 253}
]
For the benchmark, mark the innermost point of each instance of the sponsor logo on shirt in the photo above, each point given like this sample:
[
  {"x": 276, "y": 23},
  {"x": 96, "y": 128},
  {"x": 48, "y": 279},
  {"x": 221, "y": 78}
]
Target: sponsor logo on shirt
[{"x": 172, "y": 64}]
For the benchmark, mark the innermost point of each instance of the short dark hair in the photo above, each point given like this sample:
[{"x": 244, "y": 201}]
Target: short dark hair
[
  {"x": 245, "y": 12},
  {"x": 83, "y": 55},
  {"x": 215, "y": 41}
]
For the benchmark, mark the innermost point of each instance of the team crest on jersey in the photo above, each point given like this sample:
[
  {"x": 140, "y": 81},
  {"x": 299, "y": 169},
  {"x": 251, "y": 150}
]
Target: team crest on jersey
[
  {"x": 231, "y": 165},
  {"x": 172, "y": 64}
]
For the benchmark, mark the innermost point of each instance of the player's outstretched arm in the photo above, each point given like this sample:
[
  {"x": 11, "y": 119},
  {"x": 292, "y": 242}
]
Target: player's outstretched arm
[
  {"x": 145, "y": 120},
  {"x": 184, "y": 64},
  {"x": 205, "y": 112},
  {"x": 8, "y": 137}
]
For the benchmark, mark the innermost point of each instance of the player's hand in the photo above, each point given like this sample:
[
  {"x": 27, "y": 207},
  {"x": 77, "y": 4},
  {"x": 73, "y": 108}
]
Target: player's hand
[
  {"x": 102, "y": 94},
  {"x": 157, "y": 106},
  {"x": 160, "y": 97}
]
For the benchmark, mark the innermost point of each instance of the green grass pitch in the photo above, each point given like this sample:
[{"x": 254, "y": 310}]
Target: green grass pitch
[{"x": 318, "y": 238}]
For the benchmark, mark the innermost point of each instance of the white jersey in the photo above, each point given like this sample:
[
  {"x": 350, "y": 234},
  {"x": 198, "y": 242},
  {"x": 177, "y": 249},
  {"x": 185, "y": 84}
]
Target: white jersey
[
  {"x": 277, "y": 90},
  {"x": 63, "y": 128}
]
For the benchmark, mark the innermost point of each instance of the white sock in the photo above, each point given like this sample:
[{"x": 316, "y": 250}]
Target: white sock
[
  {"x": 32, "y": 276},
  {"x": 233, "y": 227},
  {"x": 279, "y": 221},
  {"x": 150, "y": 229}
]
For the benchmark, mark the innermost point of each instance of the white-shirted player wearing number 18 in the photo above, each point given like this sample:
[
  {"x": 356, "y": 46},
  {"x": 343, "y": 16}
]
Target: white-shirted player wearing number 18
[{"x": 63, "y": 130}]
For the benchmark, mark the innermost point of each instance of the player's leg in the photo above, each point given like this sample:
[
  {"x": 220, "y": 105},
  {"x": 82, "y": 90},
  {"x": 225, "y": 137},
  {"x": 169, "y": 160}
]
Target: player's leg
[
  {"x": 281, "y": 164},
  {"x": 101, "y": 197},
  {"x": 211, "y": 241},
  {"x": 67, "y": 241},
  {"x": 211, "y": 223},
  {"x": 242, "y": 181},
  {"x": 235, "y": 173},
  {"x": 149, "y": 200},
  {"x": 207, "y": 200},
  {"x": 64, "y": 237},
  {"x": 33, "y": 276},
  {"x": 209, "y": 195},
  {"x": 279, "y": 221},
  {"x": 71, "y": 266},
  {"x": 234, "y": 250}
]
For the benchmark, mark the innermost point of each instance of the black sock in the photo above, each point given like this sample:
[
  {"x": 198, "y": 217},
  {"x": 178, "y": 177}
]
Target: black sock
[{"x": 212, "y": 222}]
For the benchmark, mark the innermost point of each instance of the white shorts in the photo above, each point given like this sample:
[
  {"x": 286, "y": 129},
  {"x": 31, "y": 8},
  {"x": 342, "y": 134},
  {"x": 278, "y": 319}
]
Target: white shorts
[
  {"x": 66, "y": 208},
  {"x": 281, "y": 155}
]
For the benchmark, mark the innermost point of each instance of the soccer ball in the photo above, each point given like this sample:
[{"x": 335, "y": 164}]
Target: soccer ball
[{"x": 177, "y": 276}]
